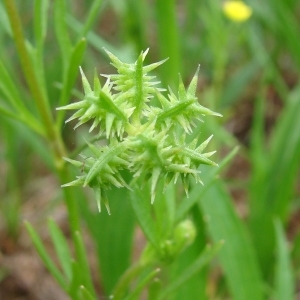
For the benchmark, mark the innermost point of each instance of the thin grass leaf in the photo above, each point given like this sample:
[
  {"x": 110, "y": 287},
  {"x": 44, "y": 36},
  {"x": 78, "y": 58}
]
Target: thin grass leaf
[
  {"x": 4, "y": 21},
  {"x": 40, "y": 22},
  {"x": 284, "y": 279},
  {"x": 76, "y": 282},
  {"x": 238, "y": 82},
  {"x": 9, "y": 89},
  {"x": 272, "y": 189},
  {"x": 204, "y": 258},
  {"x": 196, "y": 286},
  {"x": 165, "y": 208},
  {"x": 135, "y": 294},
  {"x": 288, "y": 27},
  {"x": 154, "y": 289},
  {"x": 168, "y": 40},
  {"x": 10, "y": 114},
  {"x": 96, "y": 41},
  {"x": 91, "y": 17},
  {"x": 85, "y": 294},
  {"x": 39, "y": 246},
  {"x": 40, "y": 30},
  {"x": 142, "y": 209},
  {"x": 237, "y": 257},
  {"x": 83, "y": 264},
  {"x": 61, "y": 248},
  {"x": 62, "y": 35},
  {"x": 116, "y": 240}
]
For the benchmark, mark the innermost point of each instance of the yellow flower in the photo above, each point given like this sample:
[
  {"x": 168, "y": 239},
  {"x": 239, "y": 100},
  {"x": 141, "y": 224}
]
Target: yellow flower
[{"x": 237, "y": 10}]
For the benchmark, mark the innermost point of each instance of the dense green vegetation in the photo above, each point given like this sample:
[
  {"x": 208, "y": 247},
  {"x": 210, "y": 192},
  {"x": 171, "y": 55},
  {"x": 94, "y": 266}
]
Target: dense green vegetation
[{"x": 234, "y": 237}]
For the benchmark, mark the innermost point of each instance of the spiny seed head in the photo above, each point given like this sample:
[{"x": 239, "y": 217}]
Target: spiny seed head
[{"x": 142, "y": 138}]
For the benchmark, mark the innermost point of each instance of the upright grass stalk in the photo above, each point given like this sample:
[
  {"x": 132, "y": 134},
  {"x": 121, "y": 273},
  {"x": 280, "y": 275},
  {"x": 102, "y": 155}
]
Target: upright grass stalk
[
  {"x": 168, "y": 40},
  {"x": 53, "y": 137}
]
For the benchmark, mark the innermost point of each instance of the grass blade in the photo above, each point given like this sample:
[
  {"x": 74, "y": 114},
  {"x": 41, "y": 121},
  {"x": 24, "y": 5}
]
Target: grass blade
[
  {"x": 113, "y": 236},
  {"x": 139, "y": 288},
  {"x": 62, "y": 35},
  {"x": 168, "y": 40},
  {"x": 142, "y": 209},
  {"x": 97, "y": 42},
  {"x": 4, "y": 21},
  {"x": 83, "y": 264},
  {"x": 237, "y": 255},
  {"x": 204, "y": 258},
  {"x": 91, "y": 17},
  {"x": 272, "y": 189},
  {"x": 61, "y": 248},
  {"x": 284, "y": 280},
  {"x": 38, "y": 244},
  {"x": 40, "y": 22},
  {"x": 85, "y": 294}
]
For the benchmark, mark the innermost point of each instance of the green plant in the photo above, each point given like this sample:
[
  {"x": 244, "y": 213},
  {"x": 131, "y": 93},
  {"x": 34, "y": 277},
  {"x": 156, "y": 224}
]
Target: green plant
[
  {"x": 146, "y": 139},
  {"x": 255, "y": 62},
  {"x": 146, "y": 135}
]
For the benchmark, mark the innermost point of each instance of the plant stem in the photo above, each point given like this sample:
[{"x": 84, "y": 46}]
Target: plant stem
[
  {"x": 125, "y": 280},
  {"x": 55, "y": 141},
  {"x": 33, "y": 84},
  {"x": 168, "y": 40}
]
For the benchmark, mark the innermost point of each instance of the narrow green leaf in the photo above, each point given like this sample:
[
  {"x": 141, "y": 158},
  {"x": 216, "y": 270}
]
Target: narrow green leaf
[
  {"x": 238, "y": 82},
  {"x": 97, "y": 42},
  {"x": 196, "y": 286},
  {"x": 61, "y": 248},
  {"x": 204, "y": 258},
  {"x": 154, "y": 289},
  {"x": 91, "y": 17},
  {"x": 168, "y": 39},
  {"x": 70, "y": 76},
  {"x": 62, "y": 35},
  {"x": 139, "y": 288},
  {"x": 284, "y": 279},
  {"x": 85, "y": 294},
  {"x": 9, "y": 89},
  {"x": 237, "y": 257},
  {"x": 38, "y": 244},
  {"x": 10, "y": 114},
  {"x": 272, "y": 188},
  {"x": 115, "y": 241},
  {"x": 40, "y": 30},
  {"x": 83, "y": 264},
  {"x": 142, "y": 208},
  {"x": 4, "y": 21},
  {"x": 76, "y": 281},
  {"x": 40, "y": 22}
]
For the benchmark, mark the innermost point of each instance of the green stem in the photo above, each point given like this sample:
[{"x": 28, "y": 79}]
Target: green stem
[
  {"x": 33, "y": 84},
  {"x": 168, "y": 40},
  {"x": 127, "y": 277},
  {"x": 70, "y": 201},
  {"x": 56, "y": 144}
]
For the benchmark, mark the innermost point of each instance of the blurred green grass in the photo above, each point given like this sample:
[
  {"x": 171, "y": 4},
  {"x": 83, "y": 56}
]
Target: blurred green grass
[{"x": 252, "y": 64}]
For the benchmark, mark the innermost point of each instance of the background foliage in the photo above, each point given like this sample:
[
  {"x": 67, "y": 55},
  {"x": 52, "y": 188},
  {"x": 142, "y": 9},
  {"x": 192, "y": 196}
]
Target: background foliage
[{"x": 249, "y": 73}]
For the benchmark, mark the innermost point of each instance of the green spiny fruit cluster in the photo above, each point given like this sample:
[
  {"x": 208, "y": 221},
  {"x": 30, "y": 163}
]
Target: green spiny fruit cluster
[{"x": 140, "y": 137}]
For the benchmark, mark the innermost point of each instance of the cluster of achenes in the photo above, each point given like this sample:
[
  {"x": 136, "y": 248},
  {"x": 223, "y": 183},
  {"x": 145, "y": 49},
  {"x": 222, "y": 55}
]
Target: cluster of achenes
[{"x": 141, "y": 137}]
